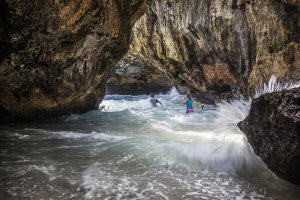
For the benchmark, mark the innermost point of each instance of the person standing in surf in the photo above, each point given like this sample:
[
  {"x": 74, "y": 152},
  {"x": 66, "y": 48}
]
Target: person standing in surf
[
  {"x": 189, "y": 103},
  {"x": 154, "y": 101}
]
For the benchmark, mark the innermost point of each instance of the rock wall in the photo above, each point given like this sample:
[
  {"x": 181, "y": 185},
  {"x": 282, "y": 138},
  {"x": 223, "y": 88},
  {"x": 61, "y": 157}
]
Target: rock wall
[
  {"x": 273, "y": 130},
  {"x": 137, "y": 77},
  {"x": 56, "y": 56},
  {"x": 218, "y": 49}
]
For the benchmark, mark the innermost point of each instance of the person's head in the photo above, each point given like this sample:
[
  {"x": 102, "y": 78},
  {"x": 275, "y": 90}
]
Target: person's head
[
  {"x": 188, "y": 95},
  {"x": 152, "y": 95}
]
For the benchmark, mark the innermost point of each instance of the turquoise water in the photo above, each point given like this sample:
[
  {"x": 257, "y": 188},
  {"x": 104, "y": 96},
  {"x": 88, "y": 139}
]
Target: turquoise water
[{"x": 129, "y": 150}]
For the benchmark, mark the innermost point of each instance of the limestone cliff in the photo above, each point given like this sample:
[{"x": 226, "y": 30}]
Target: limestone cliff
[
  {"x": 56, "y": 56},
  {"x": 273, "y": 130},
  {"x": 137, "y": 76},
  {"x": 219, "y": 48}
]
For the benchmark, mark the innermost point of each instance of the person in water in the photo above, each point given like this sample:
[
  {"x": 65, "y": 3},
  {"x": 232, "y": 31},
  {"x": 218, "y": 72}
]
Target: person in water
[
  {"x": 189, "y": 103},
  {"x": 154, "y": 101}
]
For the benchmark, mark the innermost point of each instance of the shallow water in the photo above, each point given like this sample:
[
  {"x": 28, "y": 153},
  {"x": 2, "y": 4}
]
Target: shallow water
[{"x": 130, "y": 150}]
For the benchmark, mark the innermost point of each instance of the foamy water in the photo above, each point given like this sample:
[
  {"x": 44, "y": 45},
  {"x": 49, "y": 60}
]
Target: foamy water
[
  {"x": 273, "y": 85},
  {"x": 130, "y": 150}
]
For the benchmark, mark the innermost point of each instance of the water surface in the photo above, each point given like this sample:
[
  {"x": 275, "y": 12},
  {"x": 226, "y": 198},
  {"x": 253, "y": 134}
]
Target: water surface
[{"x": 130, "y": 150}]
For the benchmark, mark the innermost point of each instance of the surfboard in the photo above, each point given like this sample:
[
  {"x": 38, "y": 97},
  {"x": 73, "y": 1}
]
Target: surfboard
[{"x": 198, "y": 105}]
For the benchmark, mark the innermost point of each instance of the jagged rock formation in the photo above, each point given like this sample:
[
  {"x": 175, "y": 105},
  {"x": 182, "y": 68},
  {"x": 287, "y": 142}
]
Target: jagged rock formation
[
  {"x": 220, "y": 48},
  {"x": 273, "y": 130},
  {"x": 137, "y": 78},
  {"x": 56, "y": 56}
]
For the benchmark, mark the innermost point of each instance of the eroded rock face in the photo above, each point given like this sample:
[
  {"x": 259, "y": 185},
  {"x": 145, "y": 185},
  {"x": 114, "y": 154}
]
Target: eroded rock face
[
  {"x": 136, "y": 77},
  {"x": 56, "y": 56},
  {"x": 273, "y": 130},
  {"x": 220, "y": 48}
]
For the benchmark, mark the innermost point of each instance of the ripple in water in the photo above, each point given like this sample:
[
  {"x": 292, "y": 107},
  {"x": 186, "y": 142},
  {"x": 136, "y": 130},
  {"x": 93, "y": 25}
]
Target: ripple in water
[{"x": 129, "y": 150}]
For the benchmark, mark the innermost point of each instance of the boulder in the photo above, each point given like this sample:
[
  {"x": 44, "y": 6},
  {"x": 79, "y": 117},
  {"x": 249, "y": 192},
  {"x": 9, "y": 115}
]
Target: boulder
[{"x": 273, "y": 130}]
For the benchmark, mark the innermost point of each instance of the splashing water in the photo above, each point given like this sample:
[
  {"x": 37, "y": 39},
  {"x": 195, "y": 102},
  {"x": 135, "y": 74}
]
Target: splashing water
[
  {"x": 234, "y": 111},
  {"x": 230, "y": 113},
  {"x": 130, "y": 150},
  {"x": 274, "y": 86}
]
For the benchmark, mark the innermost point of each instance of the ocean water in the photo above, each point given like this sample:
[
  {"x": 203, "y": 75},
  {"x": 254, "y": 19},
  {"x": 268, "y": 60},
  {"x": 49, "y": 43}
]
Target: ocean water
[{"x": 130, "y": 150}]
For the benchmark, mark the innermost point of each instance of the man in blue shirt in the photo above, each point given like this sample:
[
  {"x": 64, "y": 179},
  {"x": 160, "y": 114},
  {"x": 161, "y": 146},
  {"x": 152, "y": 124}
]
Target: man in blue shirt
[{"x": 154, "y": 101}]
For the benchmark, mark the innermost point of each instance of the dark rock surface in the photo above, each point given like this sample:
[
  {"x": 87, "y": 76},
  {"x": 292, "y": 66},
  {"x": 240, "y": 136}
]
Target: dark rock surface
[
  {"x": 56, "y": 56},
  {"x": 273, "y": 130},
  {"x": 218, "y": 49},
  {"x": 137, "y": 78}
]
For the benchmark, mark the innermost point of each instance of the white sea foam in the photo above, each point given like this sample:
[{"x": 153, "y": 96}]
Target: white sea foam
[
  {"x": 102, "y": 184},
  {"x": 173, "y": 92},
  {"x": 165, "y": 154},
  {"x": 232, "y": 152},
  {"x": 117, "y": 106},
  {"x": 19, "y": 136},
  {"x": 93, "y": 135},
  {"x": 226, "y": 152},
  {"x": 273, "y": 85},
  {"x": 234, "y": 111},
  {"x": 72, "y": 117},
  {"x": 44, "y": 169},
  {"x": 230, "y": 113}
]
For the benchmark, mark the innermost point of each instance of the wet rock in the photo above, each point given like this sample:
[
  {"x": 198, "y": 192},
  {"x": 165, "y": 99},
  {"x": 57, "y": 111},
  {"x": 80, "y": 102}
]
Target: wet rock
[
  {"x": 219, "y": 49},
  {"x": 137, "y": 78},
  {"x": 273, "y": 130},
  {"x": 56, "y": 56}
]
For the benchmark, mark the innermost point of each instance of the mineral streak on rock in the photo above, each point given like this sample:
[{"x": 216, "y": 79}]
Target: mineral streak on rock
[
  {"x": 273, "y": 130},
  {"x": 56, "y": 56},
  {"x": 219, "y": 48}
]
